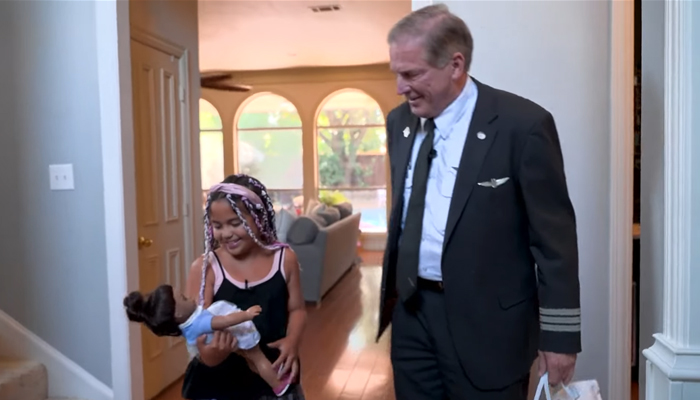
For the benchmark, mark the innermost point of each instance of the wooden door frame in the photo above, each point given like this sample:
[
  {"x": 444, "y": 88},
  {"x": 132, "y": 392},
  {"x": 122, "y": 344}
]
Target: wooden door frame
[{"x": 621, "y": 198}]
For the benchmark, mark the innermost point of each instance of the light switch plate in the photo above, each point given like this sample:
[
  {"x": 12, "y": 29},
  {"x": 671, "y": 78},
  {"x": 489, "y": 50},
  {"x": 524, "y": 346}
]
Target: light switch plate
[{"x": 61, "y": 177}]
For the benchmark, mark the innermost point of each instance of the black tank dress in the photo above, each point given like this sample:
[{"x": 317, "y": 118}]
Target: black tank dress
[{"x": 233, "y": 379}]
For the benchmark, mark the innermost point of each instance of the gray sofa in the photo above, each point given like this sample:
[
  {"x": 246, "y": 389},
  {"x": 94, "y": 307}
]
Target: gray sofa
[{"x": 326, "y": 247}]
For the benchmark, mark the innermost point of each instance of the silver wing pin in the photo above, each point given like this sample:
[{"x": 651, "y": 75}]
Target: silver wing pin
[{"x": 494, "y": 183}]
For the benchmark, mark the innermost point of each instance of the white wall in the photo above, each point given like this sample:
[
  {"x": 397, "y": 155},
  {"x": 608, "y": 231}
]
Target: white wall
[
  {"x": 114, "y": 76},
  {"x": 53, "y": 278},
  {"x": 557, "y": 54}
]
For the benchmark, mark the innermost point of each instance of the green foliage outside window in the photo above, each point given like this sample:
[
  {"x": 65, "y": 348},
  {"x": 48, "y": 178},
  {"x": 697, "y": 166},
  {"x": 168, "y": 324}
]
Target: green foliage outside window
[{"x": 338, "y": 146}]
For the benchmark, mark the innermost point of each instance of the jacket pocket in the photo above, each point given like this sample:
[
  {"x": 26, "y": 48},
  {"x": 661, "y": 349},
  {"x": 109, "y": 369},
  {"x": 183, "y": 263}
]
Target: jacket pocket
[{"x": 511, "y": 297}]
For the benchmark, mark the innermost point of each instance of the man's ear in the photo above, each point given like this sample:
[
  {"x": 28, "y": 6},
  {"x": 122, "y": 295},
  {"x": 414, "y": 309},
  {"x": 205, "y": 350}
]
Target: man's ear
[{"x": 458, "y": 65}]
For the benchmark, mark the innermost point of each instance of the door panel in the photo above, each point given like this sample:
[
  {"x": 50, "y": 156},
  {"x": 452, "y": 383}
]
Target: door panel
[{"x": 158, "y": 141}]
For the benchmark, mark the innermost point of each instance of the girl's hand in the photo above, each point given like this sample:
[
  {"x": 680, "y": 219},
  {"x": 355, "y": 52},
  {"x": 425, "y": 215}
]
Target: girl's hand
[
  {"x": 221, "y": 345},
  {"x": 288, "y": 361}
]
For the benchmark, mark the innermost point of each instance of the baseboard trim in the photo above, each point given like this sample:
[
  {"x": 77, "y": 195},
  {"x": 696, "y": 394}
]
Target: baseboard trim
[{"x": 66, "y": 378}]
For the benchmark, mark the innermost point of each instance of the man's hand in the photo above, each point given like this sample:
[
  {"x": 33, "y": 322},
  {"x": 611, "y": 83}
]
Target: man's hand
[{"x": 559, "y": 366}]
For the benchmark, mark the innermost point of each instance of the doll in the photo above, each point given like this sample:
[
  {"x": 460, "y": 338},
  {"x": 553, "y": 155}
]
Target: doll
[{"x": 168, "y": 314}]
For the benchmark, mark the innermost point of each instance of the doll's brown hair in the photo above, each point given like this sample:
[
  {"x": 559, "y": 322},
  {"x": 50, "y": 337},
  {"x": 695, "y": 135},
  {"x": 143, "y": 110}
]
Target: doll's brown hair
[{"x": 156, "y": 310}]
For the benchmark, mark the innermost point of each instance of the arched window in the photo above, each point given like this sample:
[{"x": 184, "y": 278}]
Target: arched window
[
  {"x": 211, "y": 146},
  {"x": 351, "y": 155},
  {"x": 270, "y": 146}
]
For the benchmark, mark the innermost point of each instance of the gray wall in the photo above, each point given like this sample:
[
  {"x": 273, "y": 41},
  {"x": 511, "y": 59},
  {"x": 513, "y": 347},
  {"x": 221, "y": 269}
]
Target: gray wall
[
  {"x": 53, "y": 278},
  {"x": 557, "y": 54},
  {"x": 652, "y": 180}
]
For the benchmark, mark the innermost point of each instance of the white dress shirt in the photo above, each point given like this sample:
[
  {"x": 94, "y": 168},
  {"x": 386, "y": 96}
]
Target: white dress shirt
[{"x": 451, "y": 128}]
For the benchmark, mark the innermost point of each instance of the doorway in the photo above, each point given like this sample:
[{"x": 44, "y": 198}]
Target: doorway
[
  {"x": 164, "y": 223},
  {"x": 636, "y": 197}
]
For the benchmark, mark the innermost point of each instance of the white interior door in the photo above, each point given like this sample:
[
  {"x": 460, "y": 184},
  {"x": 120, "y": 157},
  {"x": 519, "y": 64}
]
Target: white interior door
[{"x": 161, "y": 199}]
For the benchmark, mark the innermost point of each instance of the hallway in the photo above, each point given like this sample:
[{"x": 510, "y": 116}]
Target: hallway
[{"x": 339, "y": 355}]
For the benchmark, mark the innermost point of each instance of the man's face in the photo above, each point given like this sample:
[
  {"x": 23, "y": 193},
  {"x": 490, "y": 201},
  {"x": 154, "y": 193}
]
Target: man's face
[{"x": 426, "y": 88}]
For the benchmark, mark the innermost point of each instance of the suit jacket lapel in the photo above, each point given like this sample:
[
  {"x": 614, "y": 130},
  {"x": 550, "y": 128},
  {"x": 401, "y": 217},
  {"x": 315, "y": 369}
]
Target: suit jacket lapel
[
  {"x": 401, "y": 154},
  {"x": 480, "y": 136},
  {"x": 404, "y": 145}
]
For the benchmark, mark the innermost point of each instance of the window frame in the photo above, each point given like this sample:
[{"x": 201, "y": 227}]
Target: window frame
[{"x": 236, "y": 137}]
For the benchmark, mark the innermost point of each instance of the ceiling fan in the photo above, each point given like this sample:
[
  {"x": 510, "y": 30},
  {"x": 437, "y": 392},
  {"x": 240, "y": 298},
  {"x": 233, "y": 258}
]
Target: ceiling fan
[{"x": 221, "y": 80}]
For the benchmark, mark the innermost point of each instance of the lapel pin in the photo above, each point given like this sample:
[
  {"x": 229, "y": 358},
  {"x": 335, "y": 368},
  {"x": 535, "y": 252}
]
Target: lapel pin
[
  {"x": 481, "y": 135},
  {"x": 406, "y": 132}
]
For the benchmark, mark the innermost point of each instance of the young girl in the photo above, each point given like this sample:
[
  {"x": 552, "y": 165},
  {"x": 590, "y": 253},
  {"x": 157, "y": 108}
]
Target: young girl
[
  {"x": 167, "y": 314},
  {"x": 244, "y": 264}
]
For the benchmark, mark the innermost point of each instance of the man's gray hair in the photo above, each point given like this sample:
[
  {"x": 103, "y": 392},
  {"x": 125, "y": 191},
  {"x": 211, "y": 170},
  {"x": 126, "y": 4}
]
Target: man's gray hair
[{"x": 443, "y": 33}]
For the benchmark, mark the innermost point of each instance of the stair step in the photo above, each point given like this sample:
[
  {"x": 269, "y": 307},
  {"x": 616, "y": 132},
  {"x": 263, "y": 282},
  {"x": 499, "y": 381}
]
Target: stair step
[{"x": 25, "y": 380}]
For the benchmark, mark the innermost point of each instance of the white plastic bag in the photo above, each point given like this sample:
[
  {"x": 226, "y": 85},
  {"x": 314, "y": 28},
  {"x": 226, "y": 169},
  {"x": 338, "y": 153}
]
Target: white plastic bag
[{"x": 580, "y": 390}]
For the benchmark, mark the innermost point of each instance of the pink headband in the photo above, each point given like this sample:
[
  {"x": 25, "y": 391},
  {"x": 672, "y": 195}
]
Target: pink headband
[{"x": 238, "y": 190}]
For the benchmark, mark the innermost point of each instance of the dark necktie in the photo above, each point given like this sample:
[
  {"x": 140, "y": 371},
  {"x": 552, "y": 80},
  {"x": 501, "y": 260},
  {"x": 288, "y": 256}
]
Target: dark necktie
[{"x": 409, "y": 248}]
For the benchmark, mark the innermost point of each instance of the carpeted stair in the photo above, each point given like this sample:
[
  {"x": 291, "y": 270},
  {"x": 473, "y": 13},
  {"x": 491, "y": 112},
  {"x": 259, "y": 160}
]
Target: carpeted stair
[{"x": 24, "y": 380}]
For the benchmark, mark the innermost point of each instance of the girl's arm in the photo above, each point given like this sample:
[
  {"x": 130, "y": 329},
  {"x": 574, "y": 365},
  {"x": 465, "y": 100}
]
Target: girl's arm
[
  {"x": 288, "y": 359},
  {"x": 295, "y": 305},
  {"x": 219, "y": 322},
  {"x": 214, "y": 353}
]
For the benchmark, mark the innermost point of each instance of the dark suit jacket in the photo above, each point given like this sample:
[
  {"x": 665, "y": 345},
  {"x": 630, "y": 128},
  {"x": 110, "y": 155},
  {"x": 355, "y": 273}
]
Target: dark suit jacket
[{"x": 494, "y": 237}]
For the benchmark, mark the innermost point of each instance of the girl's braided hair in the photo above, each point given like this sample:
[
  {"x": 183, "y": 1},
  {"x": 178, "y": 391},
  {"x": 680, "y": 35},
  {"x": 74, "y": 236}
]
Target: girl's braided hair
[{"x": 263, "y": 214}]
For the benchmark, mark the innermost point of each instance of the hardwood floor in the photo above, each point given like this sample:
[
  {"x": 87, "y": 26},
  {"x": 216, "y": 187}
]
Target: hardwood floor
[{"x": 340, "y": 359}]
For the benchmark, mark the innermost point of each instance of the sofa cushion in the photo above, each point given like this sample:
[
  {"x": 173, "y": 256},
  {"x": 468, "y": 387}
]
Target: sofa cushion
[
  {"x": 329, "y": 214},
  {"x": 303, "y": 231},
  {"x": 345, "y": 209},
  {"x": 310, "y": 206},
  {"x": 285, "y": 219},
  {"x": 319, "y": 220}
]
